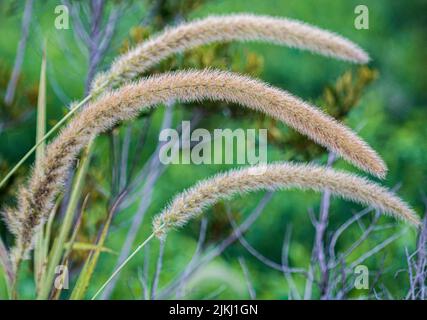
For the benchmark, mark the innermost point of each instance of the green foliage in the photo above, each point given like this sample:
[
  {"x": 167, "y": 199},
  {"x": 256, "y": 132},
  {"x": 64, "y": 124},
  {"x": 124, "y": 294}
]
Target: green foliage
[{"x": 386, "y": 102}]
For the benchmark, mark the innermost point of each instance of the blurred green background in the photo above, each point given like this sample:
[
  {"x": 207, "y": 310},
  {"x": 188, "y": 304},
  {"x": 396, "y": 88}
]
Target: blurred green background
[{"x": 391, "y": 116}]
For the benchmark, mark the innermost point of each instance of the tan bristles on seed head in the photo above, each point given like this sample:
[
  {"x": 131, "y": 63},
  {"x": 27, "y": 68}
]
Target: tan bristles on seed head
[
  {"x": 239, "y": 27},
  {"x": 36, "y": 201},
  {"x": 279, "y": 176}
]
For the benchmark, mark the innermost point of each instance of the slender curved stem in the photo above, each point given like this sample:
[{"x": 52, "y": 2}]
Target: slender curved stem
[
  {"x": 150, "y": 237},
  {"x": 47, "y": 135}
]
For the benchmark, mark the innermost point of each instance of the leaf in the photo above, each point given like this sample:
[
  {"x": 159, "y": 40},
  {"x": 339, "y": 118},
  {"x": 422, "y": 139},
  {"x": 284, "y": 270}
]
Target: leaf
[
  {"x": 84, "y": 246},
  {"x": 6, "y": 264},
  {"x": 92, "y": 260},
  {"x": 40, "y": 250}
]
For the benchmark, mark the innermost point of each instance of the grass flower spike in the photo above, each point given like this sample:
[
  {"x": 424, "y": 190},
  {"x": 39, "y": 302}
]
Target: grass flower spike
[
  {"x": 35, "y": 201},
  {"x": 239, "y": 27},
  {"x": 279, "y": 176}
]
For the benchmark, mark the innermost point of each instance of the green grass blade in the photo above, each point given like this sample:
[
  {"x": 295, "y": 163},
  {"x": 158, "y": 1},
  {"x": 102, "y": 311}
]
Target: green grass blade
[
  {"x": 47, "y": 135},
  {"x": 69, "y": 245},
  {"x": 91, "y": 262},
  {"x": 41, "y": 110},
  {"x": 39, "y": 250},
  {"x": 116, "y": 272},
  {"x": 6, "y": 267}
]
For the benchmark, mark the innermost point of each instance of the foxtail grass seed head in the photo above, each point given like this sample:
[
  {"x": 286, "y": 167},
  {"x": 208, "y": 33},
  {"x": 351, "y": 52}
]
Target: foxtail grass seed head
[
  {"x": 239, "y": 27},
  {"x": 278, "y": 176},
  {"x": 35, "y": 201}
]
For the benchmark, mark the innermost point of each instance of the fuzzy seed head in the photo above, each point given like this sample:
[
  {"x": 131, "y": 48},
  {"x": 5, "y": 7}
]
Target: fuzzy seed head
[
  {"x": 239, "y": 27},
  {"x": 36, "y": 200},
  {"x": 279, "y": 176}
]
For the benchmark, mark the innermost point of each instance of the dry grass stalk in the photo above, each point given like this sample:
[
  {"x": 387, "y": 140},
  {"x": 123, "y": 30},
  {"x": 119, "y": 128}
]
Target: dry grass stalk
[
  {"x": 279, "y": 176},
  {"x": 35, "y": 201},
  {"x": 239, "y": 27}
]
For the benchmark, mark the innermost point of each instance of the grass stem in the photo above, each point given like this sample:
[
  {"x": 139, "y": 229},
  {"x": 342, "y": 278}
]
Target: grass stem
[
  {"x": 151, "y": 236},
  {"x": 47, "y": 135}
]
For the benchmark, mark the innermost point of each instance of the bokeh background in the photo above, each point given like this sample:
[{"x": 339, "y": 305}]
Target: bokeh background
[{"x": 388, "y": 109}]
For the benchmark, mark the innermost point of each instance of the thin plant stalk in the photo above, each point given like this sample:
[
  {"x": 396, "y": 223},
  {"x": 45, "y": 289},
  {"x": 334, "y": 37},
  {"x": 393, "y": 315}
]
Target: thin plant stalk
[
  {"x": 91, "y": 262},
  {"x": 47, "y": 135},
  {"x": 57, "y": 292},
  {"x": 40, "y": 251},
  {"x": 124, "y": 263}
]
